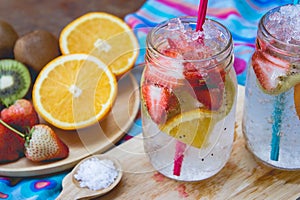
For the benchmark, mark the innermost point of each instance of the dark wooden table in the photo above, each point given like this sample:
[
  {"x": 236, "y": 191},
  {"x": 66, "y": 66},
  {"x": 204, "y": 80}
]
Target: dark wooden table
[{"x": 53, "y": 15}]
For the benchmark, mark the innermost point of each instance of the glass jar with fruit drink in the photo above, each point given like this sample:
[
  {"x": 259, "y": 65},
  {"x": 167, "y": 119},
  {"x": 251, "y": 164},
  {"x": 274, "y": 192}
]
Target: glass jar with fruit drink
[
  {"x": 271, "y": 120},
  {"x": 188, "y": 91}
]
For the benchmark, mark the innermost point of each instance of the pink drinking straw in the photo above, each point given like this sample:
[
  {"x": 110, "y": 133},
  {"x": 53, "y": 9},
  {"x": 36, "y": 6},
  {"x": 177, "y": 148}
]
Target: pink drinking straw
[
  {"x": 201, "y": 14},
  {"x": 180, "y": 147}
]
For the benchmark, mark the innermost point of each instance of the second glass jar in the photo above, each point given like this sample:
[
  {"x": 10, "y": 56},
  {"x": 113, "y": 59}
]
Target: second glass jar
[{"x": 272, "y": 98}]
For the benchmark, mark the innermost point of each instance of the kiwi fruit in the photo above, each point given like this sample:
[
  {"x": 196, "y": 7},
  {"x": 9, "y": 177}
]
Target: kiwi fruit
[
  {"x": 8, "y": 38},
  {"x": 36, "y": 49},
  {"x": 15, "y": 81}
]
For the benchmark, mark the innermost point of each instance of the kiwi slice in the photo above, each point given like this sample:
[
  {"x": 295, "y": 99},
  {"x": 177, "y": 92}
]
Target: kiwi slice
[{"x": 15, "y": 81}]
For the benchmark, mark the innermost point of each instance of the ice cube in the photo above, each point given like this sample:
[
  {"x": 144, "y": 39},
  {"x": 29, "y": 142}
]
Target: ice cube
[
  {"x": 175, "y": 24},
  {"x": 184, "y": 42},
  {"x": 284, "y": 24}
]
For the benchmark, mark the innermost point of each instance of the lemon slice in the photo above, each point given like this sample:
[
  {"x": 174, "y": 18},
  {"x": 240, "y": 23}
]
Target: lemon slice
[
  {"x": 191, "y": 127},
  {"x": 74, "y": 91},
  {"x": 103, "y": 35}
]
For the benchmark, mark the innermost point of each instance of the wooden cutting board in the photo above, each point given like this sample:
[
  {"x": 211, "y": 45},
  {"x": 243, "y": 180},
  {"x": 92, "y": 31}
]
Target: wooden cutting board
[
  {"x": 241, "y": 178},
  {"x": 93, "y": 139}
]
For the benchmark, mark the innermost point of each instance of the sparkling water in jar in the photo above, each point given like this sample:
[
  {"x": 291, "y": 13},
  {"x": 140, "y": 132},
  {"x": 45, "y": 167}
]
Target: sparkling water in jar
[
  {"x": 188, "y": 91},
  {"x": 271, "y": 122}
]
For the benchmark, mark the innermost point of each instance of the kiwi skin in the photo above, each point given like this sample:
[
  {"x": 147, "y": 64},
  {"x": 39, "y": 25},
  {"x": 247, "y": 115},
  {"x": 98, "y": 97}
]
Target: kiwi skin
[
  {"x": 8, "y": 38},
  {"x": 36, "y": 49}
]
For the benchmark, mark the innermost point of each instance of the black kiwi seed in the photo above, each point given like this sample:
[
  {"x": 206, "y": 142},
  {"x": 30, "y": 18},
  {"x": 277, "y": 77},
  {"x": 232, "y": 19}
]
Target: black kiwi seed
[{"x": 15, "y": 81}]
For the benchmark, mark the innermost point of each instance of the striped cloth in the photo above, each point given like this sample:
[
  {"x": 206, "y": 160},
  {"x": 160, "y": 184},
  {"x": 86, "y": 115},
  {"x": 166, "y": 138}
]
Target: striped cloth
[{"x": 239, "y": 16}]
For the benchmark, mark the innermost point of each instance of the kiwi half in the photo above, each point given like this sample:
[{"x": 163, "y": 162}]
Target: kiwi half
[{"x": 15, "y": 81}]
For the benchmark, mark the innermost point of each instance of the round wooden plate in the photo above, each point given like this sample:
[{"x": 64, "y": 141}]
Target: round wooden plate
[{"x": 84, "y": 142}]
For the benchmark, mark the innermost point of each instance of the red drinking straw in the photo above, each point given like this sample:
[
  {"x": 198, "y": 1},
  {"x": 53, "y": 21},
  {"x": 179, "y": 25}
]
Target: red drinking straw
[
  {"x": 201, "y": 14},
  {"x": 180, "y": 147}
]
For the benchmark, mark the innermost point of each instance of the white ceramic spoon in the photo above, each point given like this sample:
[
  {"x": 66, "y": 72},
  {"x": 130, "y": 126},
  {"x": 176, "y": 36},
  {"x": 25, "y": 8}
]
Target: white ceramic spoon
[{"x": 72, "y": 189}]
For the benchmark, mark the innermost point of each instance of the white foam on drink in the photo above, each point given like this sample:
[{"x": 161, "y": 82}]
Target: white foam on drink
[{"x": 284, "y": 24}]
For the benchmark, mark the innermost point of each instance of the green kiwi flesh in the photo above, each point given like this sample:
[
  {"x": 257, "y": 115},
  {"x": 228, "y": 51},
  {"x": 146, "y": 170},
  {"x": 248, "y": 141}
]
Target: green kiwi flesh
[{"x": 15, "y": 81}]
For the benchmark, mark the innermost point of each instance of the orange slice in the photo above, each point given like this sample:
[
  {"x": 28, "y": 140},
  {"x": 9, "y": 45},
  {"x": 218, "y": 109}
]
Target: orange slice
[
  {"x": 104, "y": 36},
  {"x": 74, "y": 91},
  {"x": 191, "y": 127}
]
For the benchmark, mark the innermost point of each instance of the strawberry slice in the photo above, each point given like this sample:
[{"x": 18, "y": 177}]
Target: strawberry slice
[
  {"x": 216, "y": 77},
  {"x": 172, "y": 44},
  {"x": 159, "y": 101},
  {"x": 208, "y": 87},
  {"x": 269, "y": 69},
  {"x": 193, "y": 76},
  {"x": 172, "y": 51},
  {"x": 196, "y": 78},
  {"x": 211, "y": 98}
]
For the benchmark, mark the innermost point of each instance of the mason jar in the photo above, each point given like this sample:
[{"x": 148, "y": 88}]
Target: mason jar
[
  {"x": 188, "y": 93},
  {"x": 271, "y": 122}
]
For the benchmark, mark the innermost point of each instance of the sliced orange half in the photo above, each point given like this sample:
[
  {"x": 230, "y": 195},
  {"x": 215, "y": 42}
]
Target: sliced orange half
[
  {"x": 74, "y": 91},
  {"x": 104, "y": 36}
]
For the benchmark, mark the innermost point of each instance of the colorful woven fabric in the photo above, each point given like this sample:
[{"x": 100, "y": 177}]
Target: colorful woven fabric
[{"x": 240, "y": 16}]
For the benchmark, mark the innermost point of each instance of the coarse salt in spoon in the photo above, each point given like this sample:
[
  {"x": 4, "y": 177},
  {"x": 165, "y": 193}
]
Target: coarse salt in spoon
[{"x": 73, "y": 190}]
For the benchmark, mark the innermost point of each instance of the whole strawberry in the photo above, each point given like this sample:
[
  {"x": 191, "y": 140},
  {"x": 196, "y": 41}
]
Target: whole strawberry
[
  {"x": 42, "y": 144},
  {"x": 11, "y": 145},
  {"x": 21, "y": 115}
]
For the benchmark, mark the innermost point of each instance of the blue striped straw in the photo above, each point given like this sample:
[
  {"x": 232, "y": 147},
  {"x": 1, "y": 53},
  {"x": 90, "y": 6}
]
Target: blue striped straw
[{"x": 276, "y": 126}]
